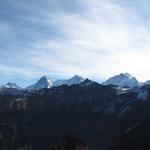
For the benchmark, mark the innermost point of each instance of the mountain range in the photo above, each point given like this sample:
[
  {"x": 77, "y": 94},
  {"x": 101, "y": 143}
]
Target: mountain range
[
  {"x": 99, "y": 114},
  {"x": 123, "y": 80}
]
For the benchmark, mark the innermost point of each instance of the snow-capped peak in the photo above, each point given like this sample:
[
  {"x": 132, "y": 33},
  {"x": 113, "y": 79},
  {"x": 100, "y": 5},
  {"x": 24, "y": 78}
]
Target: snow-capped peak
[
  {"x": 10, "y": 86},
  {"x": 74, "y": 80},
  {"x": 123, "y": 80},
  {"x": 43, "y": 82},
  {"x": 125, "y": 75}
]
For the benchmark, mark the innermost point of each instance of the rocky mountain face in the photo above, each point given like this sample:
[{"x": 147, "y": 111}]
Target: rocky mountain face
[
  {"x": 71, "y": 142},
  {"x": 147, "y": 82},
  {"x": 136, "y": 137},
  {"x": 96, "y": 113}
]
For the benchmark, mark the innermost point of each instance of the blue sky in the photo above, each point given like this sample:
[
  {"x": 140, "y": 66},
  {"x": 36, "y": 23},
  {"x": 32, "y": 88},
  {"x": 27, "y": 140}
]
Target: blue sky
[{"x": 60, "y": 38}]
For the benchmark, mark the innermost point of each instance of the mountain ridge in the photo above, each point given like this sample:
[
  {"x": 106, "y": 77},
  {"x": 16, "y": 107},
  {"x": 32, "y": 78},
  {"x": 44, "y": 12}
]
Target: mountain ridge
[{"x": 122, "y": 80}]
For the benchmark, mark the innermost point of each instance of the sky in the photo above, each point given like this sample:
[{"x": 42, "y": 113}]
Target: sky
[{"x": 60, "y": 38}]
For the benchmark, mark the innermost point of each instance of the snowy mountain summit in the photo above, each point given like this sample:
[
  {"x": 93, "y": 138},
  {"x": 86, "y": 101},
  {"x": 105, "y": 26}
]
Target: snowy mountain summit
[
  {"x": 10, "y": 85},
  {"x": 123, "y": 80},
  {"x": 43, "y": 82},
  {"x": 74, "y": 80}
]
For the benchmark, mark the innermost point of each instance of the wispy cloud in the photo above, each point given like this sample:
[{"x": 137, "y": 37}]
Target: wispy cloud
[{"x": 92, "y": 38}]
